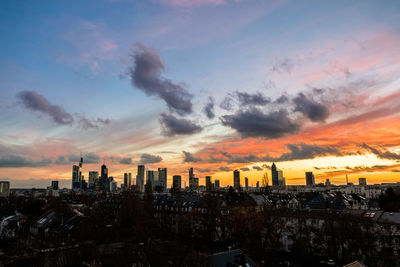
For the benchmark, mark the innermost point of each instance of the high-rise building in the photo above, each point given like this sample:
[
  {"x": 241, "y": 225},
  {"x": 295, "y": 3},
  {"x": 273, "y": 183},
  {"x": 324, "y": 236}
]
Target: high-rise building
[
  {"x": 4, "y": 188},
  {"x": 362, "y": 181},
  {"x": 327, "y": 182},
  {"x": 258, "y": 185},
  {"x": 236, "y": 179},
  {"x": 193, "y": 181},
  {"x": 281, "y": 179},
  {"x": 191, "y": 177},
  {"x": 150, "y": 178},
  {"x": 77, "y": 175},
  {"x": 208, "y": 183},
  {"x": 274, "y": 175},
  {"x": 104, "y": 184},
  {"x": 93, "y": 177},
  {"x": 310, "y": 179},
  {"x": 140, "y": 178},
  {"x": 176, "y": 182},
  {"x": 246, "y": 182},
  {"x": 126, "y": 181},
  {"x": 54, "y": 185},
  {"x": 162, "y": 179},
  {"x": 277, "y": 176},
  {"x": 113, "y": 186},
  {"x": 216, "y": 184},
  {"x": 129, "y": 180}
]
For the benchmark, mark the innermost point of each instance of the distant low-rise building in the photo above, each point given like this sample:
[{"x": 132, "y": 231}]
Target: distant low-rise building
[
  {"x": 4, "y": 188},
  {"x": 362, "y": 181}
]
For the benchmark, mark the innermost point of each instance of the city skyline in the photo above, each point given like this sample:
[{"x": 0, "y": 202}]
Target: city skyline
[{"x": 214, "y": 85}]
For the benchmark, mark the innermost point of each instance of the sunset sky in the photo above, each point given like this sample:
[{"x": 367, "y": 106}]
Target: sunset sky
[{"x": 216, "y": 85}]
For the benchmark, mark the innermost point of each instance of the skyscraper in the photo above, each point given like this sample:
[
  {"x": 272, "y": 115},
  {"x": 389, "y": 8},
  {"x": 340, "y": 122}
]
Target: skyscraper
[
  {"x": 93, "y": 177},
  {"x": 140, "y": 178},
  {"x": 129, "y": 180},
  {"x": 216, "y": 184},
  {"x": 176, "y": 182},
  {"x": 208, "y": 183},
  {"x": 77, "y": 175},
  {"x": 246, "y": 182},
  {"x": 277, "y": 176},
  {"x": 150, "y": 178},
  {"x": 274, "y": 175},
  {"x": 310, "y": 179},
  {"x": 162, "y": 178},
  {"x": 126, "y": 181},
  {"x": 193, "y": 185},
  {"x": 104, "y": 181},
  {"x": 236, "y": 179}
]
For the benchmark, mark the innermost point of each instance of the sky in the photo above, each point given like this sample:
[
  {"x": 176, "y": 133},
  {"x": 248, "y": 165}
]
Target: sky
[{"x": 216, "y": 85}]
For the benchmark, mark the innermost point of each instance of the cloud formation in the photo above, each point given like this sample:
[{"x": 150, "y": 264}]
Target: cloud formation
[
  {"x": 306, "y": 151},
  {"x": 254, "y": 123},
  {"x": 15, "y": 161},
  {"x": 172, "y": 126},
  {"x": 283, "y": 66},
  {"x": 258, "y": 168},
  {"x": 126, "y": 161},
  {"x": 37, "y": 102},
  {"x": 87, "y": 124},
  {"x": 209, "y": 108},
  {"x": 224, "y": 169},
  {"x": 257, "y": 99},
  {"x": 314, "y": 111},
  {"x": 189, "y": 157},
  {"x": 381, "y": 154},
  {"x": 146, "y": 75},
  {"x": 149, "y": 159}
]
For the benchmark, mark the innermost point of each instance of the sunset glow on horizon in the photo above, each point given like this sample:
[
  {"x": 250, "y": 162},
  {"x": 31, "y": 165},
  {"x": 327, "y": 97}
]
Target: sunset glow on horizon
[{"x": 216, "y": 85}]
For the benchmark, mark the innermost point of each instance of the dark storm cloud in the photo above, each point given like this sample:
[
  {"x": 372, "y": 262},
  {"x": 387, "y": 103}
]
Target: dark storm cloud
[
  {"x": 311, "y": 109},
  {"x": 258, "y": 168},
  {"x": 381, "y": 154},
  {"x": 174, "y": 126},
  {"x": 146, "y": 75},
  {"x": 189, "y": 157},
  {"x": 204, "y": 170},
  {"x": 245, "y": 169},
  {"x": 125, "y": 161},
  {"x": 37, "y": 102},
  {"x": 15, "y": 161},
  {"x": 88, "y": 158},
  {"x": 257, "y": 99},
  {"x": 254, "y": 123},
  {"x": 282, "y": 99},
  {"x": 296, "y": 152},
  {"x": 305, "y": 151},
  {"x": 149, "y": 159},
  {"x": 224, "y": 169},
  {"x": 209, "y": 108}
]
